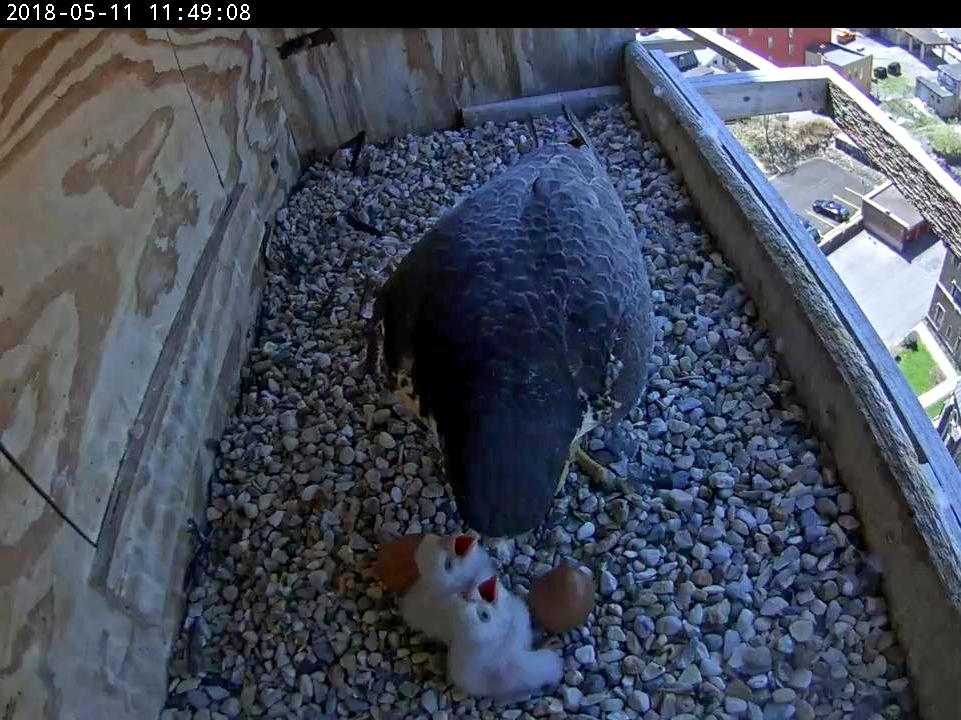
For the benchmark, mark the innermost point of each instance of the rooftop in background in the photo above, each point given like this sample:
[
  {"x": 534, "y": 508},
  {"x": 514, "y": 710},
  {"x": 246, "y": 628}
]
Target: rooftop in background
[
  {"x": 702, "y": 71},
  {"x": 705, "y": 56},
  {"x": 784, "y": 47},
  {"x": 835, "y": 54},
  {"x": 953, "y": 70},
  {"x": 935, "y": 87},
  {"x": 894, "y": 291},
  {"x": 926, "y": 36},
  {"x": 894, "y": 201}
]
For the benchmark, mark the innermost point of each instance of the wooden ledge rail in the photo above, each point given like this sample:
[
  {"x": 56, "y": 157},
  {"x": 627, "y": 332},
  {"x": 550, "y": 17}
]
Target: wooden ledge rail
[
  {"x": 764, "y": 92},
  {"x": 887, "y": 453},
  {"x": 579, "y": 102},
  {"x": 671, "y": 44}
]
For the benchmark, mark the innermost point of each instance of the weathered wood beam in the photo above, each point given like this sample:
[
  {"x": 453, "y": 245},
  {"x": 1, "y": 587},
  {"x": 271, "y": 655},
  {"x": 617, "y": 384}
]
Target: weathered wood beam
[
  {"x": 913, "y": 171},
  {"x": 885, "y": 448},
  {"x": 578, "y": 101},
  {"x": 743, "y": 58},
  {"x": 671, "y": 44},
  {"x": 764, "y": 92}
]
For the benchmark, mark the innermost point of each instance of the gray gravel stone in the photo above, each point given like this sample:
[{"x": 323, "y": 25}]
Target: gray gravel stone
[
  {"x": 802, "y": 630},
  {"x": 669, "y": 625},
  {"x": 608, "y": 583},
  {"x": 773, "y": 607},
  {"x": 730, "y": 571},
  {"x": 735, "y": 705},
  {"x": 428, "y": 701},
  {"x": 585, "y": 655}
]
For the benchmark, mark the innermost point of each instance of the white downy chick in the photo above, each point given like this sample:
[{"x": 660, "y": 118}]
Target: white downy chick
[
  {"x": 447, "y": 566},
  {"x": 490, "y": 651}
]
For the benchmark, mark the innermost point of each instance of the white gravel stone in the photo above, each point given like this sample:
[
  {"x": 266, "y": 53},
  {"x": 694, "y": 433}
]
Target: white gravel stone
[{"x": 585, "y": 531}]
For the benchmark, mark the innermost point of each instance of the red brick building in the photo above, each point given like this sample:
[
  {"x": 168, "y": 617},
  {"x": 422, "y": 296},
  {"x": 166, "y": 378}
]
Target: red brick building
[{"x": 782, "y": 46}]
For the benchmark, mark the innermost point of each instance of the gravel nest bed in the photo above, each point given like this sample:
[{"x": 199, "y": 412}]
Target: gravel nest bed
[{"x": 731, "y": 581}]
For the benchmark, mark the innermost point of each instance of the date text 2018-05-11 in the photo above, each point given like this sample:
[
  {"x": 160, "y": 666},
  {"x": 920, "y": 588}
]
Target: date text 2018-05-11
[{"x": 76, "y": 12}]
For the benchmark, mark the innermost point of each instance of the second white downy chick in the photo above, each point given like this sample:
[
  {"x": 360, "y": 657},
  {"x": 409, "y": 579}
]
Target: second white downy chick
[
  {"x": 447, "y": 566},
  {"x": 490, "y": 652}
]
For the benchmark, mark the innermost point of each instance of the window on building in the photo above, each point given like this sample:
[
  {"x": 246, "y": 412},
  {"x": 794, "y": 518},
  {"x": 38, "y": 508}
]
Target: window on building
[
  {"x": 938, "y": 315},
  {"x": 956, "y": 344},
  {"x": 955, "y": 293},
  {"x": 750, "y": 32},
  {"x": 770, "y": 42},
  {"x": 790, "y": 48},
  {"x": 947, "y": 332},
  {"x": 790, "y": 32}
]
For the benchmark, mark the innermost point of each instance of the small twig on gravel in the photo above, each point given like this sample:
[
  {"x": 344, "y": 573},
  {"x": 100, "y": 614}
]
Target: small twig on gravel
[{"x": 362, "y": 226}]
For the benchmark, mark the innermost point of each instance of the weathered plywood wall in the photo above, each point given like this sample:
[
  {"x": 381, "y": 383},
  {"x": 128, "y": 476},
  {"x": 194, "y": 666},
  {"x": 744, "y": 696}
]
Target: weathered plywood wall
[
  {"x": 393, "y": 81},
  {"x": 136, "y": 172}
]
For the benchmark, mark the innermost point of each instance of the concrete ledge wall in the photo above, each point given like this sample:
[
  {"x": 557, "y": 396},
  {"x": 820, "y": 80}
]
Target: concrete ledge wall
[
  {"x": 841, "y": 234},
  {"x": 843, "y": 143},
  {"x": 886, "y": 449}
]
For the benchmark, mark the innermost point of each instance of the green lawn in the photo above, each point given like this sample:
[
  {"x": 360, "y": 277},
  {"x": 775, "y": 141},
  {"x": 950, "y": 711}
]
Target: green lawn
[
  {"x": 945, "y": 140},
  {"x": 935, "y": 409},
  {"x": 918, "y": 367},
  {"x": 943, "y": 137},
  {"x": 893, "y": 87}
]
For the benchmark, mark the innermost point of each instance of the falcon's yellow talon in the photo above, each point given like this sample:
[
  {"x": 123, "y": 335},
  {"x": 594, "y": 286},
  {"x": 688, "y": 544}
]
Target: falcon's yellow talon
[{"x": 599, "y": 474}]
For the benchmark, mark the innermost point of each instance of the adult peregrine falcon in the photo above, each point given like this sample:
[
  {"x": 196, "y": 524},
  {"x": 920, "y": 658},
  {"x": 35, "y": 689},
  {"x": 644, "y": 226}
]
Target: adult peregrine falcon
[{"x": 516, "y": 324}]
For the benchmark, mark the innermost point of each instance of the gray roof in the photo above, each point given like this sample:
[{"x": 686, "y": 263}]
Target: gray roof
[
  {"x": 935, "y": 87},
  {"x": 895, "y": 202},
  {"x": 701, "y": 71},
  {"x": 952, "y": 70},
  {"x": 835, "y": 54},
  {"x": 841, "y": 57},
  {"x": 926, "y": 36}
]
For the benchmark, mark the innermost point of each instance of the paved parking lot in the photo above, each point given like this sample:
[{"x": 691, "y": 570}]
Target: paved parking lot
[
  {"x": 820, "y": 179},
  {"x": 894, "y": 291}
]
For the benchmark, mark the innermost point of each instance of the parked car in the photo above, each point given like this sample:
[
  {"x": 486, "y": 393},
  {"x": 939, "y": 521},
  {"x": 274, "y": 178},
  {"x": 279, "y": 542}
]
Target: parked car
[
  {"x": 846, "y": 37},
  {"x": 832, "y": 209},
  {"x": 894, "y": 68},
  {"x": 810, "y": 229}
]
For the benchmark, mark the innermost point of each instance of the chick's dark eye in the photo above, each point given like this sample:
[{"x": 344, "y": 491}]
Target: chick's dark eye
[
  {"x": 484, "y": 616},
  {"x": 448, "y": 564}
]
